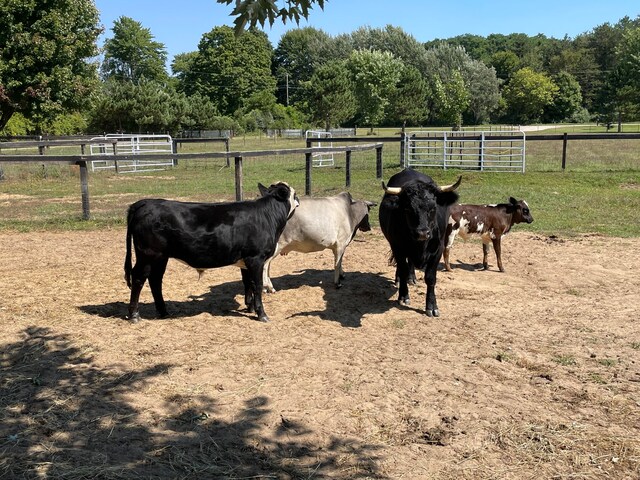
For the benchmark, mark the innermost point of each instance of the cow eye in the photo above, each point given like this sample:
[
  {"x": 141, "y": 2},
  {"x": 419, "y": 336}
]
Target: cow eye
[{"x": 525, "y": 211}]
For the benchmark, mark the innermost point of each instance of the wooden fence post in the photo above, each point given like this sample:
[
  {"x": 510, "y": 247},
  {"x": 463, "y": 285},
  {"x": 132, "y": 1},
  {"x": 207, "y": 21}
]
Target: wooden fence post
[
  {"x": 84, "y": 188},
  {"x": 226, "y": 148},
  {"x": 239, "y": 194},
  {"x": 307, "y": 173},
  {"x": 403, "y": 138},
  {"x": 174, "y": 149},
  {"x": 347, "y": 180},
  {"x": 379, "y": 160},
  {"x": 564, "y": 151}
]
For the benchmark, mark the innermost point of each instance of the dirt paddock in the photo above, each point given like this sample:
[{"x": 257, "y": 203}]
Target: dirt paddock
[{"x": 533, "y": 373}]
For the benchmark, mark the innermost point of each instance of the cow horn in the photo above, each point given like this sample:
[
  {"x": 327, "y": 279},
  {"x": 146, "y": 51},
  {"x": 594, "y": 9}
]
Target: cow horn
[
  {"x": 453, "y": 186},
  {"x": 393, "y": 190}
]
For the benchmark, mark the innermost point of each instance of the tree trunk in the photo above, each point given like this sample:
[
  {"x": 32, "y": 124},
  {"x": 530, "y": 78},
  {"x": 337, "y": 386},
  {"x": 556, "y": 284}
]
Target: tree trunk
[{"x": 6, "y": 112}]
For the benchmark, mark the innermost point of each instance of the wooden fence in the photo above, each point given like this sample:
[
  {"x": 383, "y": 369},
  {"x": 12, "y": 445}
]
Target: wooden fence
[{"x": 82, "y": 160}]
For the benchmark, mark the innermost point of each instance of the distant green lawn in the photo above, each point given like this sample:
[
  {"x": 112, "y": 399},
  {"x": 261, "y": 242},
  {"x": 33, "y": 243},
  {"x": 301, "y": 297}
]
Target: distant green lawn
[{"x": 598, "y": 193}]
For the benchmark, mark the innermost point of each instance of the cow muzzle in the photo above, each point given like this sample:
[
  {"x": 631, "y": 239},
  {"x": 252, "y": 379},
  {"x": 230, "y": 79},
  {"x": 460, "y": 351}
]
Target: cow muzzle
[{"x": 423, "y": 235}]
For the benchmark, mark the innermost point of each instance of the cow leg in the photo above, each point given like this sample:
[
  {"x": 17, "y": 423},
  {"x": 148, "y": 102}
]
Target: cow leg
[
  {"x": 445, "y": 257},
  {"x": 255, "y": 269},
  {"x": 402, "y": 274},
  {"x": 266, "y": 277},
  {"x": 139, "y": 275},
  {"x": 338, "y": 273},
  {"x": 430, "y": 280},
  {"x": 411, "y": 274},
  {"x": 485, "y": 255},
  {"x": 451, "y": 235},
  {"x": 155, "y": 282},
  {"x": 248, "y": 291},
  {"x": 497, "y": 248}
]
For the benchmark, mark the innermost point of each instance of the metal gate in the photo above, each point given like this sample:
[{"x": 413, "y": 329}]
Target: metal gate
[
  {"x": 497, "y": 151},
  {"x": 320, "y": 159},
  {"x": 132, "y": 144}
]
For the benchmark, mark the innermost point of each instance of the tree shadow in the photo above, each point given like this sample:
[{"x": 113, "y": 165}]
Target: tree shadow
[{"x": 61, "y": 416}]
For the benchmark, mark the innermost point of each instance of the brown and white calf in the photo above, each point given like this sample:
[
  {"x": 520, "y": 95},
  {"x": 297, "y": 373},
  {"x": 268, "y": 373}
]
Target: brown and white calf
[{"x": 491, "y": 222}]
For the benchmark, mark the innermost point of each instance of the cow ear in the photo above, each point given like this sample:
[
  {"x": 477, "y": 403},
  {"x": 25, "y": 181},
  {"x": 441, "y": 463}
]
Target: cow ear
[
  {"x": 263, "y": 190},
  {"x": 281, "y": 192},
  {"x": 513, "y": 201},
  {"x": 445, "y": 199}
]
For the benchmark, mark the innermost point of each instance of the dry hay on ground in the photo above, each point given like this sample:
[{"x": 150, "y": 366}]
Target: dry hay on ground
[{"x": 533, "y": 373}]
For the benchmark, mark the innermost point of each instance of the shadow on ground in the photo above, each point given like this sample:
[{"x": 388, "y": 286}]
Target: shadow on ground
[{"x": 63, "y": 417}]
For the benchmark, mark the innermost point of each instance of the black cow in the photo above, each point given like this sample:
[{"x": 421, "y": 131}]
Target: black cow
[
  {"x": 413, "y": 217},
  {"x": 205, "y": 235}
]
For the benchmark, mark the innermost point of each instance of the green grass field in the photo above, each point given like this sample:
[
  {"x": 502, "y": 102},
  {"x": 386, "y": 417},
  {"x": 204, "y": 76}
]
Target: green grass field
[{"x": 599, "y": 192}]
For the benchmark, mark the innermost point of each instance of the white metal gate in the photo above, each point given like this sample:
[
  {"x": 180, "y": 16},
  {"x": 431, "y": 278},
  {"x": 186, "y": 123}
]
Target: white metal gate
[
  {"x": 320, "y": 159},
  {"x": 502, "y": 151},
  {"x": 132, "y": 144}
]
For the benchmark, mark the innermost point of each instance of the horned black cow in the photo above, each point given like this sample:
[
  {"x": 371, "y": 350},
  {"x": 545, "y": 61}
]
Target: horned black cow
[
  {"x": 205, "y": 235},
  {"x": 491, "y": 222},
  {"x": 413, "y": 218}
]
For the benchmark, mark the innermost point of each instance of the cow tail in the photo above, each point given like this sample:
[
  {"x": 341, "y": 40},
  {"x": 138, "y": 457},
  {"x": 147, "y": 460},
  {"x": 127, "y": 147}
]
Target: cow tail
[{"x": 127, "y": 258}]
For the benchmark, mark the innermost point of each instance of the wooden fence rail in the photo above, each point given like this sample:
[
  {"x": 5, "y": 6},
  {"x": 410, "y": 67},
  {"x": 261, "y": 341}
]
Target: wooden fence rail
[{"x": 81, "y": 161}]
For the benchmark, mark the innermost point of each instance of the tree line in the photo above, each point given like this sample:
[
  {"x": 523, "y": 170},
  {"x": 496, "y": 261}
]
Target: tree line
[{"x": 53, "y": 80}]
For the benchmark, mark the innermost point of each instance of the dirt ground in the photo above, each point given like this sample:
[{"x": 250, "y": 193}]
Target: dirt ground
[{"x": 532, "y": 373}]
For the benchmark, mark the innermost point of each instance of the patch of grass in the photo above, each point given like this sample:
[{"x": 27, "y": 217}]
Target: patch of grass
[
  {"x": 575, "y": 291},
  {"x": 565, "y": 360},
  {"x": 635, "y": 345},
  {"x": 503, "y": 357},
  {"x": 607, "y": 362},
  {"x": 597, "y": 378},
  {"x": 398, "y": 323}
]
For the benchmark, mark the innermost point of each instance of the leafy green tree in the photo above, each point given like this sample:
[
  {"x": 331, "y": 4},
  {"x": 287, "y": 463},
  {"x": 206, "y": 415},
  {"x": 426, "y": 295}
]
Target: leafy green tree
[
  {"x": 329, "y": 95},
  {"x": 230, "y": 68},
  {"x": 375, "y": 75},
  {"x": 202, "y": 114},
  {"x": 132, "y": 54},
  {"x": 298, "y": 54},
  {"x": 567, "y": 100},
  {"x": 527, "y": 95},
  {"x": 408, "y": 101},
  {"x": 394, "y": 40},
  {"x": 451, "y": 100},
  {"x": 484, "y": 91},
  {"x": 45, "y": 57},
  {"x": 254, "y": 12},
  {"x": 505, "y": 63},
  {"x": 147, "y": 106}
]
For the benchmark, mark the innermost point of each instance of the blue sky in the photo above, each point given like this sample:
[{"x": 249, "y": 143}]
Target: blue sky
[{"x": 179, "y": 26}]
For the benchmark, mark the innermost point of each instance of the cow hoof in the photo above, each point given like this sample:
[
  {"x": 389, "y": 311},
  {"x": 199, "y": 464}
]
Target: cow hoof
[
  {"x": 338, "y": 285},
  {"x": 263, "y": 319},
  {"x": 433, "y": 313},
  {"x": 269, "y": 290},
  {"x": 134, "y": 318},
  {"x": 404, "y": 301}
]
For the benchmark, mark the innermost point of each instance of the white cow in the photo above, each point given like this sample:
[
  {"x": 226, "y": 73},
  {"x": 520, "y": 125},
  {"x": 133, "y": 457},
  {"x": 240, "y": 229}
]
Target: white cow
[{"x": 321, "y": 223}]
